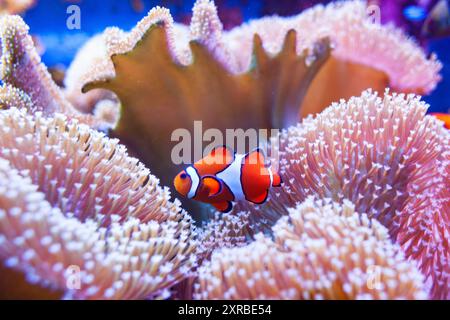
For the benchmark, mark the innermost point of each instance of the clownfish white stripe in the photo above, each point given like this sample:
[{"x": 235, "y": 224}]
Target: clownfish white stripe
[
  {"x": 192, "y": 173},
  {"x": 231, "y": 176},
  {"x": 271, "y": 175}
]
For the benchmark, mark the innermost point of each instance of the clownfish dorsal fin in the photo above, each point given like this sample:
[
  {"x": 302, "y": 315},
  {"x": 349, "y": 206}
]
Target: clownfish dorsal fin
[
  {"x": 256, "y": 157},
  {"x": 221, "y": 149},
  {"x": 217, "y": 160},
  {"x": 222, "y": 155},
  {"x": 223, "y": 206},
  {"x": 214, "y": 186}
]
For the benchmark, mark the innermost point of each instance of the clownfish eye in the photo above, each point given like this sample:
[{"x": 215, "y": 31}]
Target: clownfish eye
[{"x": 183, "y": 176}]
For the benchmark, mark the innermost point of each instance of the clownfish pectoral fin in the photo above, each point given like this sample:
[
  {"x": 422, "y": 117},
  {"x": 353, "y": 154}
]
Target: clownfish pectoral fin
[
  {"x": 223, "y": 206},
  {"x": 213, "y": 185}
]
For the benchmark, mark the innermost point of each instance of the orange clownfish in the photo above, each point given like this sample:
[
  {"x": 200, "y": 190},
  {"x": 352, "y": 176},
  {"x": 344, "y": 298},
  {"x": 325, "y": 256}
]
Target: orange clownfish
[
  {"x": 223, "y": 177},
  {"x": 443, "y": 117}
]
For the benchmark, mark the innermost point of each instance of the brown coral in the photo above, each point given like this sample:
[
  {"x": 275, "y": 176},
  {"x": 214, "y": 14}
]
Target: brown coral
[
  {"x": 71, "y": 197},
  {"x": 388, "y": 158},
  {"x": 323, "y": 250}
]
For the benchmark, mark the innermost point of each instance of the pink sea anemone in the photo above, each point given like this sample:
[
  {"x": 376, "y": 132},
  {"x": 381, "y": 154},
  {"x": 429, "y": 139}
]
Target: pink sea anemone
[
  {"x": 69, "y": 196},
  {"x": 385, "y": 156},
  {"x": 27, "y": 82},
  {"x": 321, "y": 250},
  {"x": 223, "y": 230}
]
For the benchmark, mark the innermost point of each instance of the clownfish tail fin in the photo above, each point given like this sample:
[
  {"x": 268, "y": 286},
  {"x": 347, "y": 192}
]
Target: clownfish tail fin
[{"x": 276, "y": 180}]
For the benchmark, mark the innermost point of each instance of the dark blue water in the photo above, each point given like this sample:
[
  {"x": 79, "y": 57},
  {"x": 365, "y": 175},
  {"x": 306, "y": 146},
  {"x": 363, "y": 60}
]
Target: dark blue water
[{"x": 48, "y": 20}]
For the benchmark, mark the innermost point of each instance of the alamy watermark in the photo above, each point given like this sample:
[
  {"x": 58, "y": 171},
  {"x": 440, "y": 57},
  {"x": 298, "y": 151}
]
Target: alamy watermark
[
  {"x": 73, "y": 277},
  {"x": 373, "y": 12},
  {"x": 73, "y": 21},
  {"x": 374, "y": 277},
  {"x": 190, "y": 147}
]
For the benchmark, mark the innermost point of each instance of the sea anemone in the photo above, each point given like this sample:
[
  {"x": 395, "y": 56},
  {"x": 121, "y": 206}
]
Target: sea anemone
[
  {"x": 321, "y": 250},
  {"x": 223, "y": 230},
  {"x": 69, "y": 196},
  {"x": 385, "y": 156},
  {"x": 26, "y": 81}
]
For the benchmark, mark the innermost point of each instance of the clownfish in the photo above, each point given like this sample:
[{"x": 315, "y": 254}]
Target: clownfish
[
  {"x": 443, "y": 117},
  {"x": 223, "y": 177}
]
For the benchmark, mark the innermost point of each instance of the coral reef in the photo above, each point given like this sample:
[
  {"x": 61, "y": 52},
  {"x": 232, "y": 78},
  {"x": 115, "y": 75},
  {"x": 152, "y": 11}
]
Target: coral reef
[
  {"x": 385, "y": 156},
  {"x": 69, "y": 196},
  {"x": 322, "y": 250}
]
